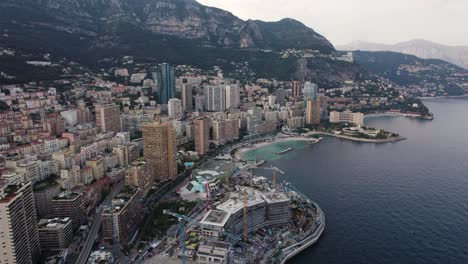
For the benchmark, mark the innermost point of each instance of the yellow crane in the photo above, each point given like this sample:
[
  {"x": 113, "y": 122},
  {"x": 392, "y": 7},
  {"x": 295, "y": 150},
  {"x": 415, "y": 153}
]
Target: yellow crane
[{"x": 273, "y": 178}]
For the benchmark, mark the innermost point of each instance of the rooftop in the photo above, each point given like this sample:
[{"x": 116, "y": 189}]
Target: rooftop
[
  {"x": 45, "y": 184},
  {"x": 216, "y": 217},
  {"x": 66, "y": 196},
  {"x": 236, "y": 203},
  {"x": 275, "y": 197},
  {"x": 8, "y": 192},
  {"x": 54, "y": 223}
]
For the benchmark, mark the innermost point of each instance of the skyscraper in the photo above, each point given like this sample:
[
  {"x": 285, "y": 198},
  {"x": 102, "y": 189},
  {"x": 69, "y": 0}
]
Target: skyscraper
[
  {"x": 166, "y": 83},
  {"x": 187, "y": 98},
  {"x": 108, "y": 118},
  {"x": 159, "y": 149},
  {"x": 232, "y": 96},
  {"x": 310, "y": 91},
  {"x": 174, "y": 108},
  {"x": 69, "y": 204},
  {"x": 313, "y": 112},
  {"x": 296, "y": 89},
  {"x": 215, "y": 98},
  {"x": 18, "y": 227},
  {"x": 202, "y": 135},
  {"x": 139, "y": 175}
]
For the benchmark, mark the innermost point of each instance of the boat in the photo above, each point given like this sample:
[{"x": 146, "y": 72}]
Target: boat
[{"x": 284, "y": 151}]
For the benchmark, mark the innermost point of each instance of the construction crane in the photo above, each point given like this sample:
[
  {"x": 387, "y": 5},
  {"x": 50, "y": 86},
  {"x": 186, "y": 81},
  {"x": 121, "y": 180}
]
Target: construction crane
[
  {"x": 182, "y": 233},
  {"x": 182, "y": 219},
  {"x": 273, "y": 179}
]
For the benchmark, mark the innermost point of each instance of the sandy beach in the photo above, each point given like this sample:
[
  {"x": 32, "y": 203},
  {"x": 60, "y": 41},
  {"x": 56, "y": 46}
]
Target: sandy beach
[{"x": 241, "y": 151}]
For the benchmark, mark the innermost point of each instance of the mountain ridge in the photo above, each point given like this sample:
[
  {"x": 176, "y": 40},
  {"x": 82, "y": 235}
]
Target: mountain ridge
[
  {"x": 180, "y": 18},
  {"x": 421, "y": 48}
]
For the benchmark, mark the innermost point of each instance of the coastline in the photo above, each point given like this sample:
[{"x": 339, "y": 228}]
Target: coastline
[
  {"x": 443, "y": 96},
  {"x": 291, "y": 251},
  {"x": 383, "y": 114},
  {"x": 366, "y": 140},
  {"x": 241, "y": 151}
]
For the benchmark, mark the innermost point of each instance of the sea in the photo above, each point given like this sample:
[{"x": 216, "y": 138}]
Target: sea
[{"x": 404, "y": 202}]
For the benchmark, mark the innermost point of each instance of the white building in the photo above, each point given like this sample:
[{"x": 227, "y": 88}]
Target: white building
[
  {"x": 175, "y": 108},
  {"x": 70, "y": 116},
  {"x": 215, "y": 98},
  {"x": 187, "y": 98},
  {"x": 213, "y": 252},
  {"x": 271, "y": 100},
  {"x": 232, "y": 96},
  {"x": 347, "y": 116}
]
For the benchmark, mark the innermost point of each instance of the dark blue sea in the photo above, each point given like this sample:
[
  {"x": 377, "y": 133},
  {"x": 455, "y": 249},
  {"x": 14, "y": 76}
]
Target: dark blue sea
[{"x": 403, "y": 202}]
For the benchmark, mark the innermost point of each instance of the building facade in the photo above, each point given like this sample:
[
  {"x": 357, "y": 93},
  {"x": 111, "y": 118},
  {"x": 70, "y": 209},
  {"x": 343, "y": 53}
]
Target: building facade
[
  {"x": 202, "y": 135},
  {"x": 159, "y": 149},
  {"x": 18, "y": 227},
  {"x": 313, "y": 112},
  {"x": 187, "y": 98},
  {"x": 166, "y": 83},
  {"x": 347, "y": 116},
  {"x": 215, "y": 98},
  {"x": 108, "y": 118}
]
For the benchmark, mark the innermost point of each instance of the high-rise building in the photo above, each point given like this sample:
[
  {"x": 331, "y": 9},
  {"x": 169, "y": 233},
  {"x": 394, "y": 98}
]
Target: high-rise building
[
  {"x": 126, "y": 217},
  {"x": 166, "y": 83},
  {"x": 123, "y": 155},
  {"x": 225, "y": 130},
  {"x": 313, "y": 112},
  {"x": 43, "y": 194},
  {"x": 310, "y": 91},
  {"x": 69, "y": 204},
  {"x": 139, "y": 175},
  {"x": 323, "y": 107},
  {"x": 232, "y": 96},
  {"x": 199, "y": 103},
  {"x": 271, "y": 100},
  {"x": 18, "y": 226},
  {"x": 187, "y": 98},
  {"x": 296, "y": 89},
  {"x": 159, "y": 149},
  {"x": 215, "y": 98},
  {"x": 108, "y": 118},
  {"x": 174, "y": 108},
  {"x": 55, "y": 234},
  {"x": 202, "y": 135}
]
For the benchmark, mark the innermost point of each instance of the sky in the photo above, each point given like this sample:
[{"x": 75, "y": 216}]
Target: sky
[{"x": 381, "y": 21}]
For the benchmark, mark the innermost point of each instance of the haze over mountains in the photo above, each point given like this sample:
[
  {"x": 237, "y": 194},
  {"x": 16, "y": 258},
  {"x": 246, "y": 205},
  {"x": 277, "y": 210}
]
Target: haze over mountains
[{"x": 457, "y": 55}]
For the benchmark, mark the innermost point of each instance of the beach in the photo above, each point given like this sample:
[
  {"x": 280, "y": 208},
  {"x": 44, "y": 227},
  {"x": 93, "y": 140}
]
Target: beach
[{"x": 241, "y": 151}]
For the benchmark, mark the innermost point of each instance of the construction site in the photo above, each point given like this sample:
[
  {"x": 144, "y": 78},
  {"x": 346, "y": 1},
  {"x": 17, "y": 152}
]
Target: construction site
[{"x": 245, "y": 219}]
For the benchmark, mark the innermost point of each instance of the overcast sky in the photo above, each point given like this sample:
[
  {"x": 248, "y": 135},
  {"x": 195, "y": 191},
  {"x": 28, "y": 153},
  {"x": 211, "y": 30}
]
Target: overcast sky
[{"x": 382, "y": 21}]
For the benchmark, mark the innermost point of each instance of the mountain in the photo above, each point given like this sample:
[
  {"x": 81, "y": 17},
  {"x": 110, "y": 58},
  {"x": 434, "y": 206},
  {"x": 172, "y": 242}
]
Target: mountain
[
  {"x": 457, "y": 55},
  {"x": 410, "y": 71},
  {"x": 101, "y": 22}
]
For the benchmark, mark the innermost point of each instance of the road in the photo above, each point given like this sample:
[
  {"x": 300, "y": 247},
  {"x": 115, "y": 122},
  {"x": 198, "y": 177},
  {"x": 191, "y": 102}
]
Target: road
[{"x": 97, "y": 221}]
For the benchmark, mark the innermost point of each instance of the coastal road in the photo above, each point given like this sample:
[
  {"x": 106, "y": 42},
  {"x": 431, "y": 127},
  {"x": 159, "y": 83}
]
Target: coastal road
[{"x": 84, "y": 254}]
